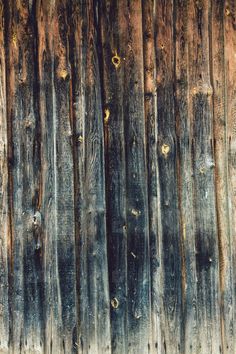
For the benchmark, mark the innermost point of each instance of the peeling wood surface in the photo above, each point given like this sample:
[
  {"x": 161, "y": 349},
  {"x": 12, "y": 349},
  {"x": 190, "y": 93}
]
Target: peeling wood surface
[{"x": 117, "y": 176}]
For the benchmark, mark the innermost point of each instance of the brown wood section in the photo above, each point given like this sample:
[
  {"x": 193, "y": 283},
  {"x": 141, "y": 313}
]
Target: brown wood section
[{"x": 117, "y": 176}]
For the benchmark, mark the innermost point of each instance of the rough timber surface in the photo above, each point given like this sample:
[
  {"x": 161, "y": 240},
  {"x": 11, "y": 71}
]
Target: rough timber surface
[{"x": 117, "y": 176}]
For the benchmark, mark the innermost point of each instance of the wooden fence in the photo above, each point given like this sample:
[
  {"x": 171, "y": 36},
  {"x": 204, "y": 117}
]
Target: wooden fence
[{"x": 117, "y": 176}]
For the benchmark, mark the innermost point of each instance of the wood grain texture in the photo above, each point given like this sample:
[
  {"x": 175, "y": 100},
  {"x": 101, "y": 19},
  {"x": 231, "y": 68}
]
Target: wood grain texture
[
  {"x": 185, "y": 136},
  {"x": 113, "y": 32},
  {"x": 138, "y": 250},
  {"x": 206, "y": 235},
  {"x": 5, "y": 236},
  {"x": 117, "y": 176},
  {"x": 171, "y": 340},
  {"x": 64, "y": 180},
  {"x": 229, "y": 116},
  {"x": 155, "y": 226},
  {"x": 93, "y": 289},
  {"x": 52, "y": 339},
  {"x": 221, "y": 145},
  {"x": 24, "y": 282}
]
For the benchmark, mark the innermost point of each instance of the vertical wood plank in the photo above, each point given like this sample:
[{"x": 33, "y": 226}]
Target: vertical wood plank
[
  {"x": 46, "y": 24},
  {"x": 222, "y": 175},
  {"x": 230, "y": 124},
  {"x": 64, "y": 179},
  {"x": 78, "y": 21},
  {"x": 93, "y": 288},
  {"x": 4, "y": 207},
  {"x": 167, "y": 164},
  {"x": 16, "y": 304},
  {"x": 206, "y": 236},
  {"x": 155, "y": 230},
  {"x": 94, "y": 177},
  {"x": 26, "y": 301},
  {"x": 138, "y": 248},
  {"x": 185, "y": 185},
  {"x": 113, "y": 30}
]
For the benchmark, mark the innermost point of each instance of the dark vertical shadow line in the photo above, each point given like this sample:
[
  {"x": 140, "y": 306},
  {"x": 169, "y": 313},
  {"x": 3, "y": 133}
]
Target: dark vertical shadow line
[
  {"x": 218, "y": 236},
  {"x": 36, "y": 95},
  {"x": 39, "y": 124},
  {"x": 6, "y": 13},
  {"x": 146, "y": 185},
  {"x": 147, "y": 158},
  {"x": 147, "y": 169},
  {"x": 179, "y": 190}
]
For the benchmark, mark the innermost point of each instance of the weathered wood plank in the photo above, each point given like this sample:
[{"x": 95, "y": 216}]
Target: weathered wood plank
[
  {"x": 155, "y": 230},
  {"x": 221, "y": 175},
  {"x": 113, "y": 29},
  {"x": 64, "y": 179},
  {"x": 24, "y": 146},
  {"x": 5, "y": 236},
  {"x": 185, "y": 181},
  {"x": 171, "y": 341},
  {"x": 138, "y": 252},
  {"x": 46, "y": 24},
  {"x": 230, "y": 126},
  {"x": 77, "y": 12},
  {"x": 93, "y": 289},
  {"x": 17, "y": 313},
  {"x": 206, "y": 236}
]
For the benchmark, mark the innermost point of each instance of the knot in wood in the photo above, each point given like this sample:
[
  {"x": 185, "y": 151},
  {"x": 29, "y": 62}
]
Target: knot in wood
[
  {"x": 80, "y": 139},
  {"x": 37, "y": 219},
  {"x": 135, "y": 212},
  {"x": 115, "y": 303},
  {"x": 199, "y": 4},
  {"x": 165, "y": 149},
  {"x": 116, "y": 61},
  {"x": 106, "y": 115},
  {"x": 14, "y": 39},
  {"x": 205, "y": 164},
  {"x": 202, "y": 169},
  {"x": 203, "y": 89},
  {"x": 63, "y": 74}
]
